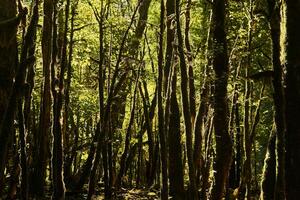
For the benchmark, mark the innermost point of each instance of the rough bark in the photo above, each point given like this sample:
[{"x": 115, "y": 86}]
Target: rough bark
[
  {"x": 245, "y": 184},
  {"x": 290, "y": 47},
  {"x": 170, "y": 11},
  {"x": 269, "y": 170},
  {"x": 45, "y": 123},
  {"x": 8, "y": 62},
  {"x": 57, "y": 150},
  {"x": 66, "y": 130},
  {"x": 175, "y": 150},
  {"x": 161, "y": 128},
  {"x": 186, "y": 106},
  {"x": 125, "y": 154},
  {"x": 278, "y": 96},
  {"x": 222, "y": 137}
]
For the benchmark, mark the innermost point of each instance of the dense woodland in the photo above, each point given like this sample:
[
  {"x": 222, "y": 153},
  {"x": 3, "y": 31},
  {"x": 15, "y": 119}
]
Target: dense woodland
[{"x": 150, "y": 99}]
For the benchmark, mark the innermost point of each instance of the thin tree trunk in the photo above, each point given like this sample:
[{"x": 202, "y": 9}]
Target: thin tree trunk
[
  {"x": 161, "y": 128},
  {"x": 125, "y": 153},
  {"x": 269, "y": 171},
  {"x": 66, "y": 131},
  {"x": 101, "y": 130},
  {"x": 186, "y": 107},
  {"x": 205, "y": 169}
]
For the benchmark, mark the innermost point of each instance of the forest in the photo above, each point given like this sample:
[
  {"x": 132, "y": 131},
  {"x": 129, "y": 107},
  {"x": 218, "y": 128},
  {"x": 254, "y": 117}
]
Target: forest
[{"x": 150, "y": 99}]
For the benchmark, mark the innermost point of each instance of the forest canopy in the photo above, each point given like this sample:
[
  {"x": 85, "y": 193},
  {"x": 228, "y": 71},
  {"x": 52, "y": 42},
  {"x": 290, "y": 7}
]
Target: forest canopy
[{"x": 149, "y": 99}]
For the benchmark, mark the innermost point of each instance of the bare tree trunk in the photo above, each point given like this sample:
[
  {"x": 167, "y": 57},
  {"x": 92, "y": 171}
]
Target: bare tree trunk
[
  {"x": 125, "y": 154},
  {"x": 245, "y": 184},
  {"x": 269, "y": 171},
  {"x": 45, "y": 123},
  {"x": 192, "y": 97},
  {"x": 8, "y": 62},
  {"x": 161, "y": 127},
  {"x": 186, "y": 106},
  {"x": 175, "y": 150},
  {"x": 206, "y": 167},
  {"x": 279, "y": 99},
  {"x": 66, "y": 130},
  {"x": 170, "y": 11},
  {"x": 290, "y": 47},
  {"x": 222, "y": 137},
  {"x": 57, "y": 153}
]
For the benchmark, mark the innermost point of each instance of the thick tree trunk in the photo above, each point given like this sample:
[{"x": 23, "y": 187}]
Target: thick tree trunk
[
  {"x": 279, "y": 100},
  {"x": 175, "y": 150},
  {"x": 57, "y": 153},
  {"x": 45, "y": 123},
  {"x": 8, "y": 63},
  {"x": 222, "y": 137},
  {"x": 290, "y": 48}
]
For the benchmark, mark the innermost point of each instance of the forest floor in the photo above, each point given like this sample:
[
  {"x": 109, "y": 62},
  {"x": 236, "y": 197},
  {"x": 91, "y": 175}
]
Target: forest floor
[{"x": 123, "y": 194}]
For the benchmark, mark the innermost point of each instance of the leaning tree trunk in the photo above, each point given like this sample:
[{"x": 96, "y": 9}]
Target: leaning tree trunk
[
  {"x": 291, "y": 60},
  {"x": 222, "y": 137}
]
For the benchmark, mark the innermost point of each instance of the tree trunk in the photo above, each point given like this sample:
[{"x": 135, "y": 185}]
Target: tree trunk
[
  {"x": 222, "y": 137},
  {"x": 57, "y": 153},
  {"x": 161, "y": 127},
  {"x": 290, "y": 48},
  {"x": 8, "y": 62},
  {"x": 278, "y": 96},
  {"x": 125, "y": 154},
  {"x": 186, "y": 106},
  {"x": 45, "y": 121},
  {"x": 269, "y": 170},
  {"x": 175, "y": 150}
]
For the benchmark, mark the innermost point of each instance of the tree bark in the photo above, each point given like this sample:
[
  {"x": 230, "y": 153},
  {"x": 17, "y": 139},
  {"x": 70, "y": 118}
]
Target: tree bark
[
  {"x": 290, "y": 48},
  {"x": 186, "y": 106},
  {"x": 45, "y": 122},
  {"x": 222, "y": 137},
  {"x": 8, "y": 62},
  {"x": 269, "y": 171},
  {"x": 278, "y": 96},
  {"x": 175, "y": 150},
  {"x": 57, "y": 151}
]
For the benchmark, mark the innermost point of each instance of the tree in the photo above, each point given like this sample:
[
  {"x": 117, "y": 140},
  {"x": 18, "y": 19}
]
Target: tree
[
  {"x": 8, "y": 44},
  {"x": 290, "y": 45},
  {"x": 220, "y": 65}
]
